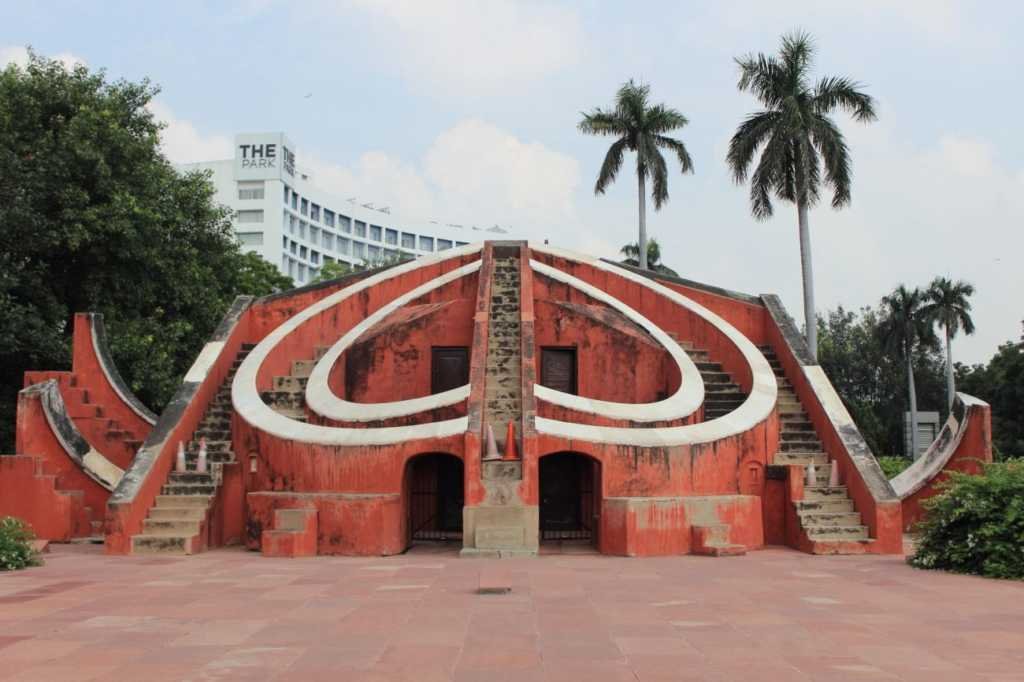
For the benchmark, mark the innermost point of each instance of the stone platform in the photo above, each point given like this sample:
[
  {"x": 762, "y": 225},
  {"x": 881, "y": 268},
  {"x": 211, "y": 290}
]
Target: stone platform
[{"x": 770, "y": 615}]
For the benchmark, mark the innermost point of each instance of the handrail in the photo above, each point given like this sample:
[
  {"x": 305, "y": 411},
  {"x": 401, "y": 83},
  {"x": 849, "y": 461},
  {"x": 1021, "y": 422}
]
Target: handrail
[
  {"x": 250, "y": 406},
  {"x": 757, "y": 407},
  {"x": 324, "y": 402},
  {"x": 93, "y": 463}
]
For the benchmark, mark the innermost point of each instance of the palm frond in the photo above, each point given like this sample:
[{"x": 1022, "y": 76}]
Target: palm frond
[
  {"x": 600, "y": 122},
  {"x": 829, "y": 141},
  {"x": 751, "y": 134},
  {"x": 764, "y": 77},
  {"x": 661, "y": 119},
  {"x": 685, "y": 162},
  {"x": 611, "y": 165},
  {"x": 834, "y": 92}
]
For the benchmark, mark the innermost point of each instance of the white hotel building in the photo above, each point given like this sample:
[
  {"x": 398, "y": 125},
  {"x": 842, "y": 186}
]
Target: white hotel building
[{"x": 283, "y": 216}]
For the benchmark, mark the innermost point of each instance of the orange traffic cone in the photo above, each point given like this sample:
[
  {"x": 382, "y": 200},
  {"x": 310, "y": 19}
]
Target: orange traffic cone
[
  {"x": 492, "y": 446},
  {"x": 511, "y": 452}
]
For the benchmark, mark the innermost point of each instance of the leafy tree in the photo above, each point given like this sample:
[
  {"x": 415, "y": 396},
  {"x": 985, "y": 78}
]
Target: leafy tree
[
  {"x": 1001, "y": 384},
  {"x": 948, "y": 305},
  {"x": 335, "y": 269},
  {"x": 256, "y": 275},
  {"x": 94, "y": 218},
  {"x": 869, "y": 378},
  {"x": 632, "y": 252},
  {"x": 643, "y": 129},
  {"x": 905, "y": 326},
  {"x": 796, "y": 137}
]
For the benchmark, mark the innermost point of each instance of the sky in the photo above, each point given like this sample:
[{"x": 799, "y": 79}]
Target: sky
[{"x": 466, "y": 111}]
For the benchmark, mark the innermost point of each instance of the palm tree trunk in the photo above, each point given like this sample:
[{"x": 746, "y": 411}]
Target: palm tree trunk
[
  {"x": 950, "y": 385},
  {"x": 913, "y": 404},
  {"x": 810, "y": 318},
  {"x": 642, "y": 257}
]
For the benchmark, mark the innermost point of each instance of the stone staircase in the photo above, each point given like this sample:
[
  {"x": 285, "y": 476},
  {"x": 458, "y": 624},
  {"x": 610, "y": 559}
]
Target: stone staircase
[
  {"x": 288, "y": 394},
  {"x": 721, "y": 394},
  {"x": 503, "y": 385},
  {"x": 826, "y": 513},
  {"x": 176, "y": 523}
]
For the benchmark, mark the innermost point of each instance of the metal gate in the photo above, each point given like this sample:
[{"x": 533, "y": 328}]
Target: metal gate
[
  {"x": 567, "y": 504},
  {"x": 435, "y": 498}
]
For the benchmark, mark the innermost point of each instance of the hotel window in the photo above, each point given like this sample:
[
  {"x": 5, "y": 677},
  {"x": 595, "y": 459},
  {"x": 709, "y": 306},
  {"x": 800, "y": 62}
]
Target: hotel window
[
  {"x": 360, "y": 229},
  {"x": 303, "y": 253},
  {"x": 444, "y": 244},
  {"x": 391, "y": 237},
  {"x": 286, "y": 191},
  {"x": 408, "y": 241},
  {"x": 250, "y": 189},
  {"x": 375, "y": 233},
  {"x": 426, "y": 243},
  {"x": 343, "y": 245},
  {"x": 328, "y": 242},
  {"x": 390, "y": 254},
  {"x": 314, "y": 212},
  {"x": 284, "y": 242},
  {"x": 291, "y": 268},
  {"x": 345, "y": 224},
  {"x": 302, "y": 272},
  {"x": 314, "y": 234},
  {"x": 373, "y": 253},
  {"x": 250, "y": 216},
  {"x": 302, "y": 229},
  {"x": 293, "y": 247},
  {"x": 295, "y": 201},
  {"x": 359, "y": 250},
  {"x": 250, "y": 238},
  {"x": 314, "y": 256},
  {"x": 304, "y": 210},
  {"x": 461, "y": 243},
  {"x": 328, "y": 218}
]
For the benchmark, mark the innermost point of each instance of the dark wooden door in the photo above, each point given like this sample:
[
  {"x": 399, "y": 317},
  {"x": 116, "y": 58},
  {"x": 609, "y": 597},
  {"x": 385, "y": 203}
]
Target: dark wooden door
[
  {"x": 449, "y": 368},
  {"x": 560, "y": 493},
  {"x": 558, "y": 369}
]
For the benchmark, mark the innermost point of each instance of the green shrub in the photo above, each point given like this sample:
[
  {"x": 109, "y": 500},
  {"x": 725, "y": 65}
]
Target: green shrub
[
  {"x": 893, "y": 466},
  {"x": 976, "y": 525},
  {"x": 16, "y": 545}
]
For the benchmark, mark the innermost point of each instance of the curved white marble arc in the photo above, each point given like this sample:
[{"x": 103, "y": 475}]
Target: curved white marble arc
[
  {"x": 246, "y": 399},
  {"x": 755, "y": 409},
  {"x": 684, "y": 402},
  {"x": 322, "y": 400}
]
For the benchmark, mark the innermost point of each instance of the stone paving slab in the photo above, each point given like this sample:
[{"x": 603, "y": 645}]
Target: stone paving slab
[{"x": 770, "y": 615}]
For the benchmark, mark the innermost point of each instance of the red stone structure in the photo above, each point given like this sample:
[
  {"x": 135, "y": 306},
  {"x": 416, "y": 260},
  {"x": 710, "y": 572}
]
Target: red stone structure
[{"x": 642, "y": 414}]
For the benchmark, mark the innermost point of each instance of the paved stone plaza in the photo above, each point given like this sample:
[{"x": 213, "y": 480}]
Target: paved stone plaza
[{"x": 771, "y": 615}]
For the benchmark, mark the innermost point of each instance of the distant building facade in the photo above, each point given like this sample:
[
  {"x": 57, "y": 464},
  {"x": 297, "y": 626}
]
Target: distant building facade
[{"x": 282, "y": 215}]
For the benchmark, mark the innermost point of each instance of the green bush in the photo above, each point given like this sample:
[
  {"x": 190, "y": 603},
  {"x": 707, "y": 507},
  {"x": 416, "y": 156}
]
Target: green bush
[
  {"x": 976, "y": 525},
  {"x": 893, "y": 466},
  {"x": 16, "y": 545}
]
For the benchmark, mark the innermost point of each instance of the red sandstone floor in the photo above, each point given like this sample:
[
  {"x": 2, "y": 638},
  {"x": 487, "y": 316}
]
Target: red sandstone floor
[{"x": 771, "y": 615}]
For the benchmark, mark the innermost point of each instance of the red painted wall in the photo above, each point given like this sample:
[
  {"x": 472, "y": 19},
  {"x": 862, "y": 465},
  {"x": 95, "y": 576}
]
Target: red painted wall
[
  {"x": 30, "y": 494},
  {"x": 974, "y": 450}
]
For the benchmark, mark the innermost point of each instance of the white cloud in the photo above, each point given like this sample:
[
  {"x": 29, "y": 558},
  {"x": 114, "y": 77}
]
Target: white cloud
[
  {"x": 182, "y": 142},
  {"x": 481, "y": 46},
  {"x": 18, "y": 54}
]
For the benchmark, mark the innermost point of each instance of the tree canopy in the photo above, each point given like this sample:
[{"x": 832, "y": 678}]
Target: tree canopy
[{"x": 94, "y": 218}]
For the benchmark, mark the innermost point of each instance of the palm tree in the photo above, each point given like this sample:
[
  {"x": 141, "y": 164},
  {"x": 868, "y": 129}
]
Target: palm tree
[
  {"x": 948, "y": 305},
  {"x": 903, "y": 327},
  {"x": 643, "y": 129},
  {"x": 796, "y": 137},
  {"x": 632, "y": 253}
]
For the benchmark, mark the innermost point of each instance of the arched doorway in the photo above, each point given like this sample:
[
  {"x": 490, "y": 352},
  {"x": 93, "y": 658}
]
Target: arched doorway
[
  {"x": 570, "y": 493},
  {"x": 434, "y": 498}
]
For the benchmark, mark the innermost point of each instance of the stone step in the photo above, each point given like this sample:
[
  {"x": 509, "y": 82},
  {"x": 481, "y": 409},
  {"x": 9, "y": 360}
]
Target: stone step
[
  {"x": 176, "y": 501},
  {"x": 302, "y": 368},
  {"x": 798, "y": 435},
  {"x": 837, "y": 504},
  {"x": 163, "y": 544},
  {"x": 708, "y": 366},
  {"x": 797, "y": 426},
  {"x": 820, "y": 459},
  {"x": 824, "y": 492},
  {"x": 174, "y": 527},
  {"x": 290, "y": 383},
  {"x": 836, "y": 532},
  {"x": 715, "y": 377},
  {"x": 186, "y": 489},
  {"x": 818, "y": 519},
  {"x": 800, "y": 446},
  {"x": 190, "y": 478},
  {"x": 174, "y": 513}
]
